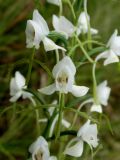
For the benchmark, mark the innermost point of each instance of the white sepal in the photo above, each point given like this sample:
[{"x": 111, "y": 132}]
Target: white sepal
[
  {"x": 96, "y": 108},
  {"x": 56, "y": 2},
  {"x": 79, "y": 91},
  {"x": 75, "y": 150},
  {"x": 50, "y": 45},
  {"x": 63, "y": 25},
  {"x": 48, "y": 90}
]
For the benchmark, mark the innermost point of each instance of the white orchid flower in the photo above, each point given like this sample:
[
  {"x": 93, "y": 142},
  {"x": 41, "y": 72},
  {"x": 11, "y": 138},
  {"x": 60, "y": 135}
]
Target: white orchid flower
[
  {"x": 83, "y": 26},
  {"x": 87, "y": 133},
  {"x": 63, "y": 73},
  {"x": 40, "y": 151},
  {"x": 37, "y": 31},
  {"x": 17, "y": 86},
  {"x": 63, "y": 25},
  {"x": 103, "y": 93},
  {"x": 56, "y": 2},
  {"x": 113, "y": 45},
  {"x": 64, "y": 122}
]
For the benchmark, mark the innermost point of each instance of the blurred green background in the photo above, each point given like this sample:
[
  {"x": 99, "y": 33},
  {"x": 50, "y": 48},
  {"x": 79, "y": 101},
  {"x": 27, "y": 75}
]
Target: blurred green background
[{"x": 17, "y": 133}]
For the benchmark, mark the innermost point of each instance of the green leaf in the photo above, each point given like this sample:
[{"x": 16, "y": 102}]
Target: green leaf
[{"x": 58, "y": 37}]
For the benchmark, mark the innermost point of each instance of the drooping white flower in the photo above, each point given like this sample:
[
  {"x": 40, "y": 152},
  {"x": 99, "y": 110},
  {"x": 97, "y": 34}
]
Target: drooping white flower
[
  {"x": 113, "y": 45},
  {"x": 40, "y": 151},
  {"x": 37, "y": 31},
  {"x": 103, "y": 93},
  {"x": 63, "y": 25},
  {"x": 56, "y": 2},
  {"x": 64, "y": 122},
  {"x": 64, "y": 73},
  {"x": 83, "y": 26},
  {"x": 87, "y": 133},
  {"x": 17, "y": 86}
]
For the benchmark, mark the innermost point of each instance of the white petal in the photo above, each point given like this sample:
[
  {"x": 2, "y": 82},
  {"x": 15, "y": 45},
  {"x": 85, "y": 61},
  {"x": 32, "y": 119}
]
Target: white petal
[
  {"x": 93, "y": 31},
  {"x": 29, "y": 96},
  {"x": 50, "y": 45},
  {"x": 34, "y": 34},
  {"x": 75, "y": 150},
  {"x": 37, "y": 144},
  {"x": 53, "y": 125},
  {"x": 48, "y": 90},
  {"x": 56, "y": 2},
  {"x": 63, "y": 25},
  {"x": 13, "y": 87},
  {"x": 52, "y": 158},
  {"x": 41, "y": 22},
  {"x": 103, "y": 93},
  {"x": 112, "y": 58},
  {"x": 109, "y": 55},
  {"x": 79, "y": 91},
  {"x": 20, "y": 80},
  {"x": 96, "y": 108},
  {"x": 55, "y": 22},
  {"x": 65, "y": 123},
  {"x": 104, "y": 54},
  {"x": 82, "y": 19},
  {"x": 16, "y": 97},
  {"x": 88, "y": 132},
  {"x": 112, "y": 38},
  {"x": 66, "y": 61}
]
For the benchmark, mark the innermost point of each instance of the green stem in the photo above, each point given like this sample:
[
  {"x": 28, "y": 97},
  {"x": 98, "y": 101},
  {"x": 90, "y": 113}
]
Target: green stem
[
  {"x": 30, "y": 67},
  {"x": 50, "y": 121},
  {"x": 61, "y": 102},
  {"x": 72, "y": 9},
  {"x": 84, "y": 51},
  {"x": 94, "y": 83},
  {"x": 61, "y": 8},
  {"x": 37, "y": 122},
  {"x": 93, "y": 41},
  {"x": 57, "y": 55},
  {"x": 88, "y": 24}
]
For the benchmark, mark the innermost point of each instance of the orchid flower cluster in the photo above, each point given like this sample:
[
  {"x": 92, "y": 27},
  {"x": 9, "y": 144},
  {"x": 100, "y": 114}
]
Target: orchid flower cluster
[{"x": 64, "y": 72}]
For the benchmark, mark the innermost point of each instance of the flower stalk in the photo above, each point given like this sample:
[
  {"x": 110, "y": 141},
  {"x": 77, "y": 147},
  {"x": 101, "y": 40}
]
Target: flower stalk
[
  {"x": 84, "y": 51},
  {"x": 61, "y": 103}
]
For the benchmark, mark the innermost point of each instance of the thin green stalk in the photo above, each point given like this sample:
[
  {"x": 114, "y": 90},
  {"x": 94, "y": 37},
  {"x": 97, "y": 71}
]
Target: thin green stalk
[
  {"x": 57, "y": 55},
  {"x": 30, "y": 67},
  {"x": 94, "y": 83},
  {"x": 93, "y": 41},
  {"x": 84, "y": 51},
  {"x": 61, "y": 8},
  {"x": 72, "y": 9},
  {"x": 88, "y": 24},
  {"x": 37, "y": 122},
  {"x": 61, "y": 103}
]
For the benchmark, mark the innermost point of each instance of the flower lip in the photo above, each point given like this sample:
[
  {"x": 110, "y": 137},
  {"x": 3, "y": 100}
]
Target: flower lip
[{"x": 64, "y": 79}]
